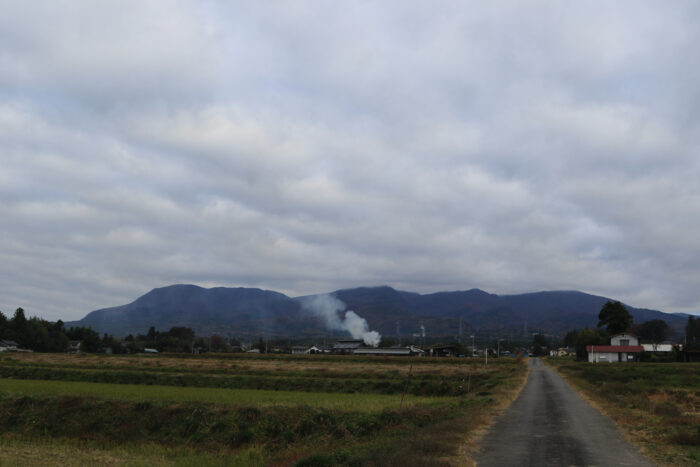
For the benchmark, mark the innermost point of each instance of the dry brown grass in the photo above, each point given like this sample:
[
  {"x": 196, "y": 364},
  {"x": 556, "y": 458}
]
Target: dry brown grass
[
  {"x": 313, "y": 364},
  {"x": 23, "y": 453},
  {"x": 482, "y": 421},
  {"x": 452, "y": 441},
  {"x": 449, "y": 441},
  {"x": 646, "y": 416}
]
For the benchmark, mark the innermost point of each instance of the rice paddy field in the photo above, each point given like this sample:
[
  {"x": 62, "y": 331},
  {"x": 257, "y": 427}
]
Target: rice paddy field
[
  {"x": 236, "y": 409},
  {"x": 657, "y": 405}
]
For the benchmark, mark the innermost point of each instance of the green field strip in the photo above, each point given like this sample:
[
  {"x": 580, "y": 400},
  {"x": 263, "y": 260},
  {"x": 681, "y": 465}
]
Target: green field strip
[
  {"x": 415, "y": 386},
  {"x": 235, "y": 370},
  {"x": 229, "y": 372},
  {"x": 234, "y": 397}
]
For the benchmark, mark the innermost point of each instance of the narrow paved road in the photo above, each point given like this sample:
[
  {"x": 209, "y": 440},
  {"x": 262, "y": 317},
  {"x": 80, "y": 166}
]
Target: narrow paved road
[{"x": 549, "y": 424}]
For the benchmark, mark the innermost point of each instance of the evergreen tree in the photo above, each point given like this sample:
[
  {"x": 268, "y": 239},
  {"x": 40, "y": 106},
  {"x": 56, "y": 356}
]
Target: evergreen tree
[
  {"x": 18, "y": 326},
  {"x": 4, "y": 325},
  {"x": 692, "y": 332},
  {"x": 615, "y": 317}
]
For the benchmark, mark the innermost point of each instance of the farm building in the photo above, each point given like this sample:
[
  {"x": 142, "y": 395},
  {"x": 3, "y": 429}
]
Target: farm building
[
  {"x": 310, "y": 350},
  {"x": 391, "y": 351},
  {"x": 314, "y": 349},
  {"x": 623, "y": 348},
  {"x": 347, "y": 346},
  {"x": 443, "y": 351},
  {"x": 560, "y": 352}
]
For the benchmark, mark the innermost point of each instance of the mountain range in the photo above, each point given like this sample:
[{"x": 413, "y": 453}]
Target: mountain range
[{"x": 251, "y": 313}]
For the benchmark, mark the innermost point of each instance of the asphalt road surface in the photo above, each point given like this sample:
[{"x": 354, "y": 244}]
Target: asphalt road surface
[{"x": 549, "y": 424}]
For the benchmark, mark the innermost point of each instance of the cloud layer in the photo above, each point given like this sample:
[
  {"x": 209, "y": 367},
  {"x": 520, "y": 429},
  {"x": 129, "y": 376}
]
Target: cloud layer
[{"x": 308, "y": 146}]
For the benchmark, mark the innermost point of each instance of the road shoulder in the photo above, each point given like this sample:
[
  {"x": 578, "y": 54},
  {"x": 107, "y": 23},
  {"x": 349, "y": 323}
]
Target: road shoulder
[
  {"x": 650, "y": 413},
  {"x": 472, "y": 441}
]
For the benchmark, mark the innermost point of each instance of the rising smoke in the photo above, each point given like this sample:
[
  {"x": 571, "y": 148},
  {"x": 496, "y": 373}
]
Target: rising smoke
[{"x": 330, "y": 309}]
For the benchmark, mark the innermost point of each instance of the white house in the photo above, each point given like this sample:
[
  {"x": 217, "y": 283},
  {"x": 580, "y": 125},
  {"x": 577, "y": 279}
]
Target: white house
[
  {"x": 8, "y": 345},
  {"x": 623, "y": 348},
  {"x": 624, "y": 339}
]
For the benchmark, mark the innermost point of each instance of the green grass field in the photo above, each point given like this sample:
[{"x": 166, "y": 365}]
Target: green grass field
[
  {"x": 257, "y": 410},
  {"x": 237, "y": 397},
  {"x": 656, "y": 404}
]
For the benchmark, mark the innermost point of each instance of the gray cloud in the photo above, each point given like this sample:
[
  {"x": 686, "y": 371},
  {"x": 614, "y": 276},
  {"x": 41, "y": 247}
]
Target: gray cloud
[{"x": 309, "y": 146}]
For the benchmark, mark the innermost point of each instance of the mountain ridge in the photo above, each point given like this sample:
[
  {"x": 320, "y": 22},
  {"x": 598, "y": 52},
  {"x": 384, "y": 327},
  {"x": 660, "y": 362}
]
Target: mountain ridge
[{"x": 250, "y": 312}]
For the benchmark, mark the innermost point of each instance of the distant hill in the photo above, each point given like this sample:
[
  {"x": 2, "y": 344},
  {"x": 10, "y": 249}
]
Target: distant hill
[
  {"x": 243, "y": 311},
  {"x": 249, "y": 313}
]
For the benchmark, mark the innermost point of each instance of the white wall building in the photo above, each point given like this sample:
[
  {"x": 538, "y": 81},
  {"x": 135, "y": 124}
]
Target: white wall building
[{"x": 623, "y": 348}]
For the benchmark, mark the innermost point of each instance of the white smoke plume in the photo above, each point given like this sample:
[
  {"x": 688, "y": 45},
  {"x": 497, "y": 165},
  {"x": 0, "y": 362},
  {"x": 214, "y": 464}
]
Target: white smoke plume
[{"x": 330, "y": 308}]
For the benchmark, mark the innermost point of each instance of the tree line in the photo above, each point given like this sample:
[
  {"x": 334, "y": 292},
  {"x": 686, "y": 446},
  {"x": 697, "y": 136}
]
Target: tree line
[
  {"x": 40, "y": 335},
  {"x": 43, "y": 336}
]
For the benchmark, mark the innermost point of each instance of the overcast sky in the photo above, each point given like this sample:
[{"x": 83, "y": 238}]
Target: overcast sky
[{"x": 306, "y": 146}]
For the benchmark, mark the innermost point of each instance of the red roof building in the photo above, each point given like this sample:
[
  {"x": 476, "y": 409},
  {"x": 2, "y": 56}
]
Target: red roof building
[
  {"x": 615, "y": 348},
  {"x": 623, "y": 348}
]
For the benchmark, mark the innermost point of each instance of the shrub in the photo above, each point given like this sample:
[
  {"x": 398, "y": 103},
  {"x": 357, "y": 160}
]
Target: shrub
[{"x": 666, "y": 409}]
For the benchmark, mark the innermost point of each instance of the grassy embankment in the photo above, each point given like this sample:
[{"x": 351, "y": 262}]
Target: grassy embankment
[
  {"x": 237, "y": 410},
  {"x": 657, "y": 405}
]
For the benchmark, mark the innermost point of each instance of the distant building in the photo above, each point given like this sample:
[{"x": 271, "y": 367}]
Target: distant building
[
  {"x": 7, "y": 345},
  {"x": 310, "y": 349},
  {"x": 315, "y": 349},
  {"x": 300, "y": 349},
  {"x": 147, "y": 350},
  {"x": 391, "y": 351},
  {"x": 655, "y": 348},
  {"x": 623, "y": 348},
  {"x": 347, "y": 346},
  {"x": 443, "y": 351}
]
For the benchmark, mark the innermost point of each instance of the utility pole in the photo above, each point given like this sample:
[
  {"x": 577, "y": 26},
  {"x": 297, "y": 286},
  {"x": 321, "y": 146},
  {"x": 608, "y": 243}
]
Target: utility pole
[{"x": 473, "y": 348}]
